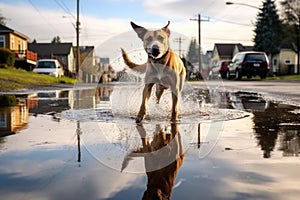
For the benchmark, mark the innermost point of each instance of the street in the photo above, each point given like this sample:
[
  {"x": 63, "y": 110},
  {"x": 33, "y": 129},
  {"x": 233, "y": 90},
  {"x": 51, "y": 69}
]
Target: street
[
  {"x": 287, "y": 91},
  {"x": 236, "y": 140}
]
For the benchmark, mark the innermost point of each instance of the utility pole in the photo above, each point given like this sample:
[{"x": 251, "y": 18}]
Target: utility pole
[
  {"x": 179, "y": 40},
  {"x": 78, "y": 129},
  {"x": 77, "y": 40},
  {"x": 199, "y": 38}
]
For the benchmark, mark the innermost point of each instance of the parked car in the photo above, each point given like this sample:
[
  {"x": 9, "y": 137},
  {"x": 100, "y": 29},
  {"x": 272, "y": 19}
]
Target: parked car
[
  {"x": 220, "y": 70},
  {"x": 50, "y": 67},
  {"x": 250, "y": 63}
]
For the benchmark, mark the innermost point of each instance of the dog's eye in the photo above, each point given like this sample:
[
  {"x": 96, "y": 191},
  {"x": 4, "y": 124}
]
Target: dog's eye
[
  {"x": 149, "y": 39},
  {"x": 160, "y": 38}
]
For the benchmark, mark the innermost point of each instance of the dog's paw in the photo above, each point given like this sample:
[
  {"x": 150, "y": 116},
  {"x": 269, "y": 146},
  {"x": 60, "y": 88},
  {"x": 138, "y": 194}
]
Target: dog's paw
[
  {"x": 139, "y": 118},
  {"x": 157, "y": 101},
  {"x": 175, "y": 118}
]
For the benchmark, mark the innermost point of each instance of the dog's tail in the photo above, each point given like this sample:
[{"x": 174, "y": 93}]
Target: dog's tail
[{"x": 141, "y": 68}]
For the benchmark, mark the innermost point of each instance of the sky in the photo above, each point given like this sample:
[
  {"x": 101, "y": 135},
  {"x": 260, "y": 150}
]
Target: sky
[{"x": 106, "y": 20}]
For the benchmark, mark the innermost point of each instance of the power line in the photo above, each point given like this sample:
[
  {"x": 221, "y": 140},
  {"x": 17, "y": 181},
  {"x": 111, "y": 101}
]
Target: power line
[
  {"x": 231, "y": 22},
  {"x": 38, "y": 11},
  {"x": 65, "y": 8},
  {"x": 213, "y": 19}
]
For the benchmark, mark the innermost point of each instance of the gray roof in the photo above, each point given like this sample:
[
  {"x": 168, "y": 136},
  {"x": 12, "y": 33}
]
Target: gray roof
[
  {"x": 225, "y": 49},
  {"x": 47, "y": 49},
  {"x": 5, "y": 29},
  {"x": 244, "y": 48}
]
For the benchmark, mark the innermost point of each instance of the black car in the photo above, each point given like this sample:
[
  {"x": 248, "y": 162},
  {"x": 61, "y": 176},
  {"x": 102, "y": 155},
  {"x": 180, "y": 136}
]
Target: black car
[{"x": 250, "y": 63}]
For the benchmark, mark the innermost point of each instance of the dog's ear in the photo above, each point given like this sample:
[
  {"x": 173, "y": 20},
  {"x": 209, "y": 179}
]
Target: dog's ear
[
  {"x": 166, "y": 29},
  {"x": 141, "y": 31}
]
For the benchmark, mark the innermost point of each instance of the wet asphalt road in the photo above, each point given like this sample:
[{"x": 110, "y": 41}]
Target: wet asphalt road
[
  {"x": 78, "y": 154},
  {"x": 285, "y": 91}
]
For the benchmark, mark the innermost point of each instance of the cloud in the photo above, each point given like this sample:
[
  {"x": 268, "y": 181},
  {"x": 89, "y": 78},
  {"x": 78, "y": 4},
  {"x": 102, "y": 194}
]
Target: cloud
[
  {"x": 46, "y": 24},
  {"x": 188, "y": 8},
  {"x": 226, "y": 24}
]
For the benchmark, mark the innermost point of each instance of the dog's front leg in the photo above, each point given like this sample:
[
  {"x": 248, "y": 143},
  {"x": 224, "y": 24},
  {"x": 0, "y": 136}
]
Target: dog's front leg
[
  {"x": 159, "y": 91},
  {"x": 175, "y": 105},
  {"x": 143, "y": 108},
  {"x": 144, "y": 138}
]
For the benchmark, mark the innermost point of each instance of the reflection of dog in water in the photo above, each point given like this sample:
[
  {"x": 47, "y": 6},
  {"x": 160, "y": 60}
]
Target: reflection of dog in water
[
  {"x": 163, "y": 157},
  {"x": 163, "y": 68},
  {"x": 103, "y": 92}
]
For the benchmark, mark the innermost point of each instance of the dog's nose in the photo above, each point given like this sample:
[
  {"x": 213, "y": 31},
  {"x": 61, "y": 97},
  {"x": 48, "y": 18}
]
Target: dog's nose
[{"x": 155, "y": 50}]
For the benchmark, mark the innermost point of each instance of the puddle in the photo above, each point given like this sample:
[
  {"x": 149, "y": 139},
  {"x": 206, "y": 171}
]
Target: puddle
[
  {"x": 87, "y": 142},
  {"x": 103, "y": 106}
]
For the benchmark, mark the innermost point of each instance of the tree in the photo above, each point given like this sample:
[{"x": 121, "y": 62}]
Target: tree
[
  {"x": 56, "y": 40},
  {"x": 291, "y": 11},
  {"x": 2, "y": 20},
  {"x": 268, "y": 31},
  {"x": 291, "y": 20},
  {"x": 192, "y": 54}
]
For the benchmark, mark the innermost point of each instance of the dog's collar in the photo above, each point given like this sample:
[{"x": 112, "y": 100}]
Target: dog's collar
[{"x": 161, "y": 59}]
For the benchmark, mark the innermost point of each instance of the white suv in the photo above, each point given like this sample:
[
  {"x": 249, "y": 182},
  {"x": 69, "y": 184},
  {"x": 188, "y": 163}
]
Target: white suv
[{"x": 50, "y": 67}]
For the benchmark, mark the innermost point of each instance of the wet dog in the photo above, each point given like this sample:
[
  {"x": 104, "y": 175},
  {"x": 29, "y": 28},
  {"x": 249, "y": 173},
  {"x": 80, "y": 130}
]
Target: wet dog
[{"x": 163, "y": 68}]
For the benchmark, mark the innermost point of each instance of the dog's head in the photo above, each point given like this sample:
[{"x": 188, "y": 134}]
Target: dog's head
[{"x": 156, "y": 43}]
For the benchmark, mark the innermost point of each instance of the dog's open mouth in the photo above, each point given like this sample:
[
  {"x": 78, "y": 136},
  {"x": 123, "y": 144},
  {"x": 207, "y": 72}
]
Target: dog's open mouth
[{"x": 155, "y": 52}]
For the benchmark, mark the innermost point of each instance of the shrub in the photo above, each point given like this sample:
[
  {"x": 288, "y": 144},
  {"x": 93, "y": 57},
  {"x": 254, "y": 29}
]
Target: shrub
[
  {"x": 7, "y": 57},
  {"x": 9, "y": 100}
]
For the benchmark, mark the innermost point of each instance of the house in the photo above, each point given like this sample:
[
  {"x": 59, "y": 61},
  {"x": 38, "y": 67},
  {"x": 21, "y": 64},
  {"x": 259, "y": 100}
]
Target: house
[
  {"x": 13, "y": 115},
  {"x": 226, "y": 51},
  {"x": 88, "y": 70},
  {"x": 241, "y": 48},
  {"x": 63, "y": 52},
  {"x": 18, "y": 43},
  {"x": 285, "y": 62}
]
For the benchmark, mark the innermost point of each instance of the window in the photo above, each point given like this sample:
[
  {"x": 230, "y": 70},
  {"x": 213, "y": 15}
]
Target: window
[
  {"x": 12, "y": 42},
  {"x": 238, "y": 58},
  {"x": 23, "y": 46},
  {"x": 3, "y": 120},
  {"x": 19, "y": 45},
  {"x": 2, "y": 41},
  {"x": 46, "y": 64},
  {"x": 255, "y": 58},
  {"x": 287, "y": 60}
]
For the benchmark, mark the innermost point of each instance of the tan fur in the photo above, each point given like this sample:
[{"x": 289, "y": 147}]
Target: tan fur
[
  {"x": 163, "y": 68},
  {"x": 163, "y": 157},
  {"x": 161, "y": 181}
]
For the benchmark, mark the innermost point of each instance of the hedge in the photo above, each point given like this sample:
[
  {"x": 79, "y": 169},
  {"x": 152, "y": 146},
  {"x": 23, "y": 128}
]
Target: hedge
[
  {"x": 8, "y": 100},
  {"x": 7, "y": 57}
]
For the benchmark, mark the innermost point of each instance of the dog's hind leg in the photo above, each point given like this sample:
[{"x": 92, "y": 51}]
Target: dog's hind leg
[{"x": 143, "y": 108}]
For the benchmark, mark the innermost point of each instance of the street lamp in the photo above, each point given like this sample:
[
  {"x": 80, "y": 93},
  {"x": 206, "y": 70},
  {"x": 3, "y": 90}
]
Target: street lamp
[{"x": 242, "y": 4}]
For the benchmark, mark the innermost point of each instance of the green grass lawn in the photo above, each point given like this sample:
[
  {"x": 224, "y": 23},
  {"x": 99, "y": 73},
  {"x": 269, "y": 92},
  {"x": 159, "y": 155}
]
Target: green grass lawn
[
  {"x": 270, "y": 78},
  {"x": 285, "y": 77},
  {"x": 11, "y": 79}
]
